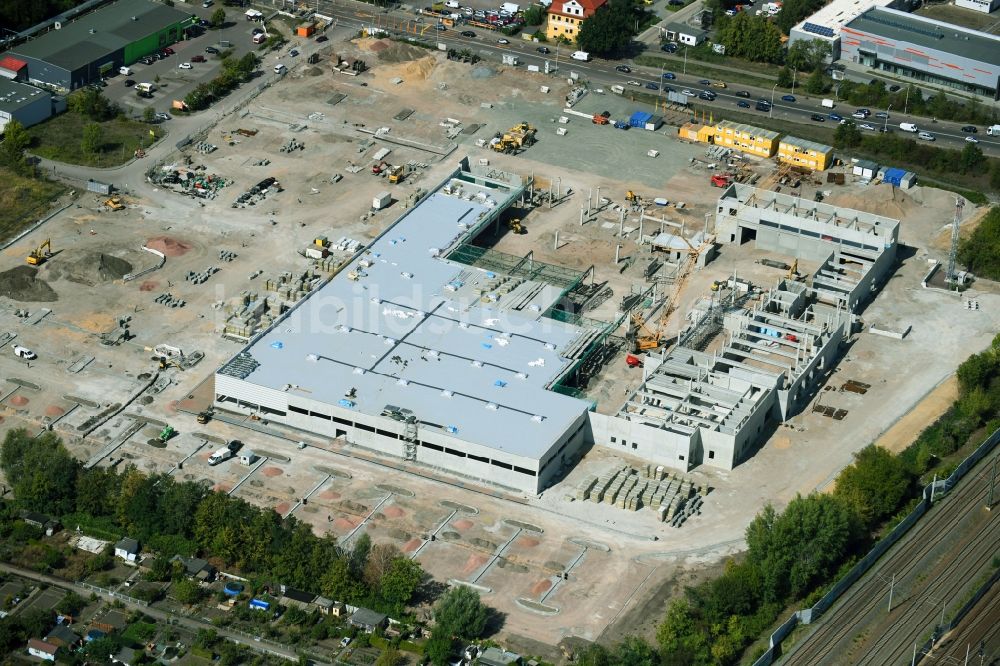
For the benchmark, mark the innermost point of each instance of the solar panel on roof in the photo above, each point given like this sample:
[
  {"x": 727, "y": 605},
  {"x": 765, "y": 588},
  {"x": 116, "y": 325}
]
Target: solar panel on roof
[{"x": 817, "y": 29}]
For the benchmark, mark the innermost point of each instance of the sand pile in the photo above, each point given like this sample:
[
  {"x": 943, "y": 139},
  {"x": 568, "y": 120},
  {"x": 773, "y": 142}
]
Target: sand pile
[
  {"x": 883, "y": 199},
  {"x": 396, "y": 52},
  {"x": 313, "y": 71},
  {"x": 419, "y": 70},
  {"x": 92, "y": 268},
  {"x": 483, "y": 73},
  {"x": 168, "y": 246},
  {"x": 22, "y": 284}
]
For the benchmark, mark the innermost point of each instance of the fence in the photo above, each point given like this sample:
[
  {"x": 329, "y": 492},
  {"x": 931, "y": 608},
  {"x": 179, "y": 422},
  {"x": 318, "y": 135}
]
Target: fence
[
  {"x": 116, "y": 595},
  {"x": 809, "y": 615}
]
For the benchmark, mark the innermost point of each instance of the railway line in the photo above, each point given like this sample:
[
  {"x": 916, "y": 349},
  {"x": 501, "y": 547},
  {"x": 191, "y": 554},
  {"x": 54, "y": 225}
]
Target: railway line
[
  {"x": 976, "y": 637},
  {"x": 957, "y": 521}
]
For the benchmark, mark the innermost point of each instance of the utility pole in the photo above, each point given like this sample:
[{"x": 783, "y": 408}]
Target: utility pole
[
  {"x": 993, "y": 483},
  {"x": 892, "y": 586}
]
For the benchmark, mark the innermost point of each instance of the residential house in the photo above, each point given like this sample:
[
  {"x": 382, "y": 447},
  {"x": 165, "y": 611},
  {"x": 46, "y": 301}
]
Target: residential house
[
  {"x": 196, "y": 568},
  {"x": 126, "y": 656},
  {"x": 368, "y": 620},
  {"x": 291, "y": 597},
  {"x": 127, "y": 549},
  {"x": 42, "y": 650},
  {"x": 683, "y": 34},
  {"x": 497, "y": 657},
  {"x": 325, "y": 605},
  {"x": 563, "y": 18},
  {"x": 33, "y": 518},
  {"x": 62, "y": 636}
]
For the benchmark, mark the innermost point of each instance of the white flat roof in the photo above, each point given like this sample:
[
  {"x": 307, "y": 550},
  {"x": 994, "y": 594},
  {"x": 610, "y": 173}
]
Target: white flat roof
[
  {"x": 836, "y": 15},
  {"x": 407, "y": 334}
]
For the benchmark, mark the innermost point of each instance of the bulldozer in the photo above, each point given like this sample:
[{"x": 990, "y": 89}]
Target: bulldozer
[
  {"x": 396, "y": 174},
  {"x": 40, "y": 254},
  {"x": 515, "y": 226},
  {"x": 114, "y": 203}
]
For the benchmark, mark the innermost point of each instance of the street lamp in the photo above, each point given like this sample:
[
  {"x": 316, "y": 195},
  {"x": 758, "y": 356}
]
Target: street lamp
[
  {"x": 770, "y": 109},
  {"x": 885, "y": 123}
]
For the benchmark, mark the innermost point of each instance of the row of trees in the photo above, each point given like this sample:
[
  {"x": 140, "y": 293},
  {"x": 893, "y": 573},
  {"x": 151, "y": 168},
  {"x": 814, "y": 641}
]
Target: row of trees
[
  {"x": 753, "y": 38},
  {"x": 875, "y": 94},
  {"x": 234, "y": 72},
  {"x": 901, "y": 149},
  {"x": 175, "y": 517},
  {"x": 980, "y": 252}
]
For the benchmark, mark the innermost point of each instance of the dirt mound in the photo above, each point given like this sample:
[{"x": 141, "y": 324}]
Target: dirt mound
[
  {"x": 527, "y": 542},
  {"x": 396, "y": 52},
  {"x": 393, "y": 512},
  {"x": 282, "y": 508},
  {"x": 377, "y": 45},
  {"x": 19, "y": 401},
  {"x": 272, "y": 472},
  {"x": 54, "y": 410},
  {"x": 149, "y": 285},
  {"x": 22, "y": 284},
  {"x": 92, "y": 268},
  {"x": 168, "y": 246},
  {"x": 541, "y": 587},
  {"x": 313, "y": 71},
  {"x": 462, "y": 524},
  {"x": 412, "y": 545},
  {"x": 883, "y": 199},
  {"x": 419, "y": 70},
  {"x": 329, "y": 495}
]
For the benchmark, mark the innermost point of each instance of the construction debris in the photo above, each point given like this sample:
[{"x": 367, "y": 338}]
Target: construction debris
[
  {"x": 194, "y": 182},
  {"x": 626, "y": 487}
]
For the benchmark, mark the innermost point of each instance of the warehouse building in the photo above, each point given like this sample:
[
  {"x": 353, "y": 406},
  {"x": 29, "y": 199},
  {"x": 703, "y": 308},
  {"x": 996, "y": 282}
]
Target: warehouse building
[
  {"x": 925, "y": 50},
  {"x": 984, "y": 6},
  {"x": 26, "y": 104},
  {"x": 74, "y": 54},
  {"x": 803, "y": 153},
  {"x": 828, "y": 21},
  {"x": 430, "y": 349},
  {"x": 695, "y": 408}
]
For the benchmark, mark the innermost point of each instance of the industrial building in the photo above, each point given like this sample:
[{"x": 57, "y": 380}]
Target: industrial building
[
  {"x": 26, "y": 104},
  {"x": 710, "y": 408},
  {"x": 803, "y": 153},
  {"x": 925, "y": 50},
  {"x": 563, "y": 18},
  {"x": 428, "y": 348},
  {"x": 984, "y": 6},
  {"x": 828, "y": 21},
  {"x": 74, "y": 54}
]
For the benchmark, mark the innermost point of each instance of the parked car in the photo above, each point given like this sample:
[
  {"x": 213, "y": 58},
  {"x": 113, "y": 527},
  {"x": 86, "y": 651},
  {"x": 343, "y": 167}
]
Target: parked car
[
  {"x": 743, "y": 104},
  {"x": 836, "y": 117},
  {"x": 652, "y": 86},
  {"x": 623, "y": 68},
  {"x": 544, "y": 49},
  {"x": 818, "y": 117},
  {"x": 345, "y": 641},
  {"x": 743, "y": 93},
  {"x": 25, "y": 353},
  {"x": 926, "y": 136},
  {"x": 198, "y": 58},
  {"x": 257, "y": 31},
  {"x": 212, "y": 50},
  {"x": 788, "y": 98},
  {"x": 168, "y": 51},
  {"x": 671, "y": 47},
  {"x": 704, "y": 82},
  {"x": 293, "y": 53},
  {"x": 971, "y": 139},
  {"x": 895, "y": 88},
  {"x": 882, "y": 115},
  {"x": 468, "y": 33},
  {"x": 670, "y": 76},
  {"x": 503, "y": 40},
  {"x": 162, "y": 117},
  {"x": 129, "y": 83},
  {"x": 970, "y": 129},
  {"x": 322, "y": 38},
  {"x": 184, "y": 65}
]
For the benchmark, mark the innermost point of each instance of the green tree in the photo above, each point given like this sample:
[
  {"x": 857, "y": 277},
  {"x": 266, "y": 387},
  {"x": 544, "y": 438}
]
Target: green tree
[
  {"x": 751, "y": 37},
  {"x": 92, "y": 138},
  {"x": 460, "y": 612},
  {"x": 148, "y": 114},
  {"x": 817, "y": 83},
  {"x": 91, "y": 103},
  {"x": 847, "y": 135},
  {"x": 40, "y": 470},
  {"x": 390, "y": 657},
  {"x": 15, "y": 141},
  {"x": 186, "y": 591},
  {"x": 608, "y": 30},
  {"x": 534, "y": 15},
  {"x": 980, "y": 252},
  {"x": 96, "y": 489},
  {"x": 400, "y": 582},
  {"x": 681, "y": 637},
  {"x": 594, "y": 654},
  {"x": 438, "y": 648},
  {"x": 218, "y": 18},
  {"x": 634, "y": 651},
  {"x": 101, "y": 650},
  {"x": 785, "y": 79},
  {"x": 875, "y": 485},
  {"x": 972, "y": 158}
]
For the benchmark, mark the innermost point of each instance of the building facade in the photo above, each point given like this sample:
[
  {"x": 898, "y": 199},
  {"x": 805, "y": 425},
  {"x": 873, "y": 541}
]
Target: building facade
[
  {"x": 924, "y": 50},
  {"x": 804, "y": 153},
  {"x": 746, "y": 138},
  {"x": 74, "y": 54},
  {"x": 26, "y": 104},
  {"x": 563, "y": 18},
  {"x": 984, "y": 6}
]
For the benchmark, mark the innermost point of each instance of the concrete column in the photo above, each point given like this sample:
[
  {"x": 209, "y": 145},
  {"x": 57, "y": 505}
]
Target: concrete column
[
  {"x": 581, "y": 215},
  {"x": 558, "y": 187},
  {"x": 618, "y": 251},
  {"x": 598, "y": 198},
  {"x": 621, "y": 223},
  {"x": 555, "y": 243}
]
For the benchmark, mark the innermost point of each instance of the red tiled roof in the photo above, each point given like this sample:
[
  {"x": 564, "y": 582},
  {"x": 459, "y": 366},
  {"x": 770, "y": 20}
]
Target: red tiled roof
[
  {"x": 589, "y": 7},
  {"x": 13, "y": 64},
  {"x": 42, "y": 646}
]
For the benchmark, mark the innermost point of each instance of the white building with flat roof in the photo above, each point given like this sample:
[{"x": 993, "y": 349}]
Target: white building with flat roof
[{"x": 826, "y": 23}]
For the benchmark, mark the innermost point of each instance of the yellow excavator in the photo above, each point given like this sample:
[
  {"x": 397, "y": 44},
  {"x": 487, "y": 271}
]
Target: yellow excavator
[
  {"x": 396, "y": 174},
  {"x": 515, "y": 226},
  {"x": 114, "y": 203},
  {"x": 40, "y": 254}
]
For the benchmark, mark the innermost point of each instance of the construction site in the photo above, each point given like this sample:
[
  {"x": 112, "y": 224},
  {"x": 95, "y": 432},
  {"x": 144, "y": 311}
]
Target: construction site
[{"x": 444, "y": 311}]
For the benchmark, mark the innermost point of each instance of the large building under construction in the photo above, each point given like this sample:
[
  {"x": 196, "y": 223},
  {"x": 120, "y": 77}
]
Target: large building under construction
[
  {"x": 430, "y": 349},
  {"x": 445, "y": 354}
]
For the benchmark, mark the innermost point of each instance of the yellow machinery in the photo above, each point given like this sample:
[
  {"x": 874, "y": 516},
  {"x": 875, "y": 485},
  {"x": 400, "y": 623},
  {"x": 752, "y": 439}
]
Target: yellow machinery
[
  {"x": 38, "y": 256},
  {"x": 515, "y": 226},
  {"x": 518, "y": 137},
  {"x": 793, "y": 271},
  {"x": 643, "y": 338},
  {"x": 632, "y": 197},
  {"x": 115, "y": 203},
  {"x": 396, "y": 174}
]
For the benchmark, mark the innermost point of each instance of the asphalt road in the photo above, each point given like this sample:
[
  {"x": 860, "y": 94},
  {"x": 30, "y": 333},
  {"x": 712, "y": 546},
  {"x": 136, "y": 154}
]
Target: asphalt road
[{"x": 601, "y": 73}]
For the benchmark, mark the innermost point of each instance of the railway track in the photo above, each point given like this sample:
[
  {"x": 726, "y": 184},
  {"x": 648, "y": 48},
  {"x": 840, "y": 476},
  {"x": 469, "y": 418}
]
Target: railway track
[
  {"x": 977, "y": 631},
  {"x": 825, "y": 644}
]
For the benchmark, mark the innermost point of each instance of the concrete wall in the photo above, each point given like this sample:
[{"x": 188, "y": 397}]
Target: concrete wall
[
  {"x": 670, "y": 448},
  {"x": 436, "y": 447},
  {"x": 791, "y": 399}
]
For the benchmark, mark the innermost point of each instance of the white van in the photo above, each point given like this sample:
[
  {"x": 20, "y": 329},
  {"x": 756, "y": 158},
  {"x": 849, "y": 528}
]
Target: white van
[
  {"x": 280, "y": 69},
  {"x": 452, "y": 4},
  {"x": 220, "y": 456},
  {"x": 580, "y": 55},
  {"x": 125, "y": 71},
  {"x": 909, "y": 127},
  {"x": 145, "y": 87}
]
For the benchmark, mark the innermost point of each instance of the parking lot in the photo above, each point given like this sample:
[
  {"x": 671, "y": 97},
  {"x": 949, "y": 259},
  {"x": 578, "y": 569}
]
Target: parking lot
[{"x": 173, "y": 82}]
